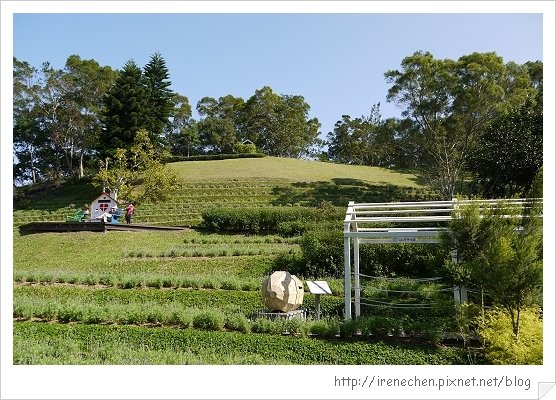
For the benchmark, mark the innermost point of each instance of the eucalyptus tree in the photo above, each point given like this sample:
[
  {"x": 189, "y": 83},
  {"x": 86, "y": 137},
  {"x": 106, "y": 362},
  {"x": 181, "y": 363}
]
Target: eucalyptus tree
[
  {"x": 56, "y": 116},
  {"x": 218, "y": 128},
  {"x": 89, "y": 82},
  {"x": 453, "y": 102},
  {"x": 27, "y": 138}
]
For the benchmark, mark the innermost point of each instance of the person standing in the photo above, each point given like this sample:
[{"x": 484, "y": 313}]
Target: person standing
[{"x": 129, "y": 211}]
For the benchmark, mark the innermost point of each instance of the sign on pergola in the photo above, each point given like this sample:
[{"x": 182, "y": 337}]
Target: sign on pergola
[{"x": 416, "y": 222}]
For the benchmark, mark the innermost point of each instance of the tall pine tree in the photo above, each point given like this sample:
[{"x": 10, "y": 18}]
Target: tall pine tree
[
  {"x": 124, "y": 111},
  {"x": 159, "y": 98}
]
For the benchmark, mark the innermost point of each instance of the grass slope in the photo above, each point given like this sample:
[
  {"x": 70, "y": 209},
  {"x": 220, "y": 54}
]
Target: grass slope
[{"x": 289, "y": 169}]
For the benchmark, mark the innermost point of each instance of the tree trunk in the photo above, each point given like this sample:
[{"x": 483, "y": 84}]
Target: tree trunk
[{"x": 81, "y": 172}]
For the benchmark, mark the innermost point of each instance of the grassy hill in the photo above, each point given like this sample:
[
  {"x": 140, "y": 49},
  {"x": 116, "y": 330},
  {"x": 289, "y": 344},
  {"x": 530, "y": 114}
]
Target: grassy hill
[
  {"x": 254, "y": 182},
  {"x": 289, "y": 169}
]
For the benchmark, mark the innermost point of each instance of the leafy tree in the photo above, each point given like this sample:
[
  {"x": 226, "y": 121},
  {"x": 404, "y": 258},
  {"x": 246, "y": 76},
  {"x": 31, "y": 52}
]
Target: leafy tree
[
  {"x": 348, "y": 143},
  {"x": 160, "y": 98},
  {"x": 89, "y": 82},
  {"x": 125, "y": 111},
  {"x": 56, "y": 116},
  {"x": 509, "y": 154},
  {"x": 399, "y": 144},
  {"x": 136, "y": 172},
  {"x": 182, "y": 134},
  {"x": 219, "y": 127},
  {"x": 279, "y": 124},
  {"x": 453, "y": 103},
  {"x": 26, "y": 129}
]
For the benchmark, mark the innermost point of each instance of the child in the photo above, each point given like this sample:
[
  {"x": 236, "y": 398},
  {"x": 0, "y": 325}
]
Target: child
[{"x": 129, "y": 211}]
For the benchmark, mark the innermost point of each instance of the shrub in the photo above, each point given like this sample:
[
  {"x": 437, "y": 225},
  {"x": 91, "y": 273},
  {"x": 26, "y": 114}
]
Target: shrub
[
  {"x": 211, "y": 320},
  {"x": 264, "y": 325},
  {"x": 237, "y": 322},
  {"x": 210, "y": 157},
  {"x": 266, "y": 219},
  {"x": 327, "y": 328},
  {"x": 323, "y": 255},
  {"x": 501, "y": 346}
]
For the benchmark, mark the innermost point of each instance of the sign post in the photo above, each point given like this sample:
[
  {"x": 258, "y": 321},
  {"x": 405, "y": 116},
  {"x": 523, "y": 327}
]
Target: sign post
[{"x": 318, "y": 288}]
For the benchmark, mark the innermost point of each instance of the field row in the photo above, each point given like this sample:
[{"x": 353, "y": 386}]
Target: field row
[
  {"x": 75, "y": 344},
  {"x": 151, "y": 281},
  {"x": 206, "y": 309},
  {"x": 51, "y": 301}
]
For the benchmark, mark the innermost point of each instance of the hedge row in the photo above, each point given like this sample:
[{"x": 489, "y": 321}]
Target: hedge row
[
  {"x": 322, "y": 254},
  {"x": 268, "y": 219}
]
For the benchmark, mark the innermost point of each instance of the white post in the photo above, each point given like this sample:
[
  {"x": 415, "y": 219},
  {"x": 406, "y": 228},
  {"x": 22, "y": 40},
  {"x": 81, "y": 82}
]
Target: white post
[
  {"x": 356, "y": 277},
  {"x": 457, "y": 291},
  {"x": 317, "y": 306},
  {"x": 347, "y": 261},
  {"x": 463, "y": 294},
  {"x": 347, "y": 279}
]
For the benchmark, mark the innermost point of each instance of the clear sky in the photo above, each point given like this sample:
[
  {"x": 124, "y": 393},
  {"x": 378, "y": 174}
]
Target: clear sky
[{"x": 336, "y": 61}]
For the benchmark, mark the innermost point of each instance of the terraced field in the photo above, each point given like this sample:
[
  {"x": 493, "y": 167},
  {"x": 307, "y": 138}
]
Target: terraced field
[
  {"x": 182, "y": 297},
  {"x": 241, "y": 183}
]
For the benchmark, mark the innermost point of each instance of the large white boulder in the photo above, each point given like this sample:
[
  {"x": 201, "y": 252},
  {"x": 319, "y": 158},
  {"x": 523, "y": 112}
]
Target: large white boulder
[{"x": 282, "y": 291}]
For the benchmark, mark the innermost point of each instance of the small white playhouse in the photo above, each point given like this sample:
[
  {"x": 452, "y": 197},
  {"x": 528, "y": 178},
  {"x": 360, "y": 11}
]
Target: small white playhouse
[{"x": 102, "y": 204}]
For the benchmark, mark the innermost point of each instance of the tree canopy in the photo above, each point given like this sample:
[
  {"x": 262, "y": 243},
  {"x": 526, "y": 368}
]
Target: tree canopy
[{"x": 453, "y": 103}]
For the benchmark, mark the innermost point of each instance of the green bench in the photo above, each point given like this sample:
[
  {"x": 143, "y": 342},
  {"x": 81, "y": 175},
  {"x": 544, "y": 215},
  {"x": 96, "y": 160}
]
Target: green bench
[{"x": 79, "y": 216}]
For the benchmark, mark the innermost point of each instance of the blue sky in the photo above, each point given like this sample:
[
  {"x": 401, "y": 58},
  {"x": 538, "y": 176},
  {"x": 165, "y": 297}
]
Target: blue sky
[{"x": 336, "y": 61}]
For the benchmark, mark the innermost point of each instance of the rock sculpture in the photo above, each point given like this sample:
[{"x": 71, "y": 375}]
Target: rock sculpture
[{"x": 282, "y": 291}]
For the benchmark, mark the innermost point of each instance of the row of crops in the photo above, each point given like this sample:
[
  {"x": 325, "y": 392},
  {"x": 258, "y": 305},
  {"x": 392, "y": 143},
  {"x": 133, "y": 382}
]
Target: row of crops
[{"x": 38, "y": 343}]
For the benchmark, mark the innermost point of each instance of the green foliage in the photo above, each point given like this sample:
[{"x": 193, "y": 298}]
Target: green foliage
[
  {"x": 279, "y": 124},
  {"x": 137, "y": 168},
  {"x": 509, "y": 154},
  {"x": 214, "y": 157},
  {"x": 323, "y": 255},
  {"x": 124, "y": 111},
  {"x": 369, "y": 140},
  {"x": 128, "y": 345},
  {"x": 453, "y": 102},
  {"x": 255, "y": 220},
  {"x": 245, "y": 148},
  {"x": 137, "y": 100},
  {"x": 159, "y": 97},
  {"x": 499, "y": 249},
  {"x": 212, "y": 320},
  {"x": 502, "y": 347},
  {"x": 238, "y": 323},
  {"x": 57, "y": 118}
]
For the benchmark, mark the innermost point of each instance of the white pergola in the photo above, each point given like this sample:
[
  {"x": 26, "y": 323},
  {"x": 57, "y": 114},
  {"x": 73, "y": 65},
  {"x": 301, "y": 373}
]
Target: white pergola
[{"x": 361, "y": 226}]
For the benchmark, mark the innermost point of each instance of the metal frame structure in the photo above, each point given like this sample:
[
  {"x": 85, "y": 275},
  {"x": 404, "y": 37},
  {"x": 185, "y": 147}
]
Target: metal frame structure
[{"x": 362, "y": 225}]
